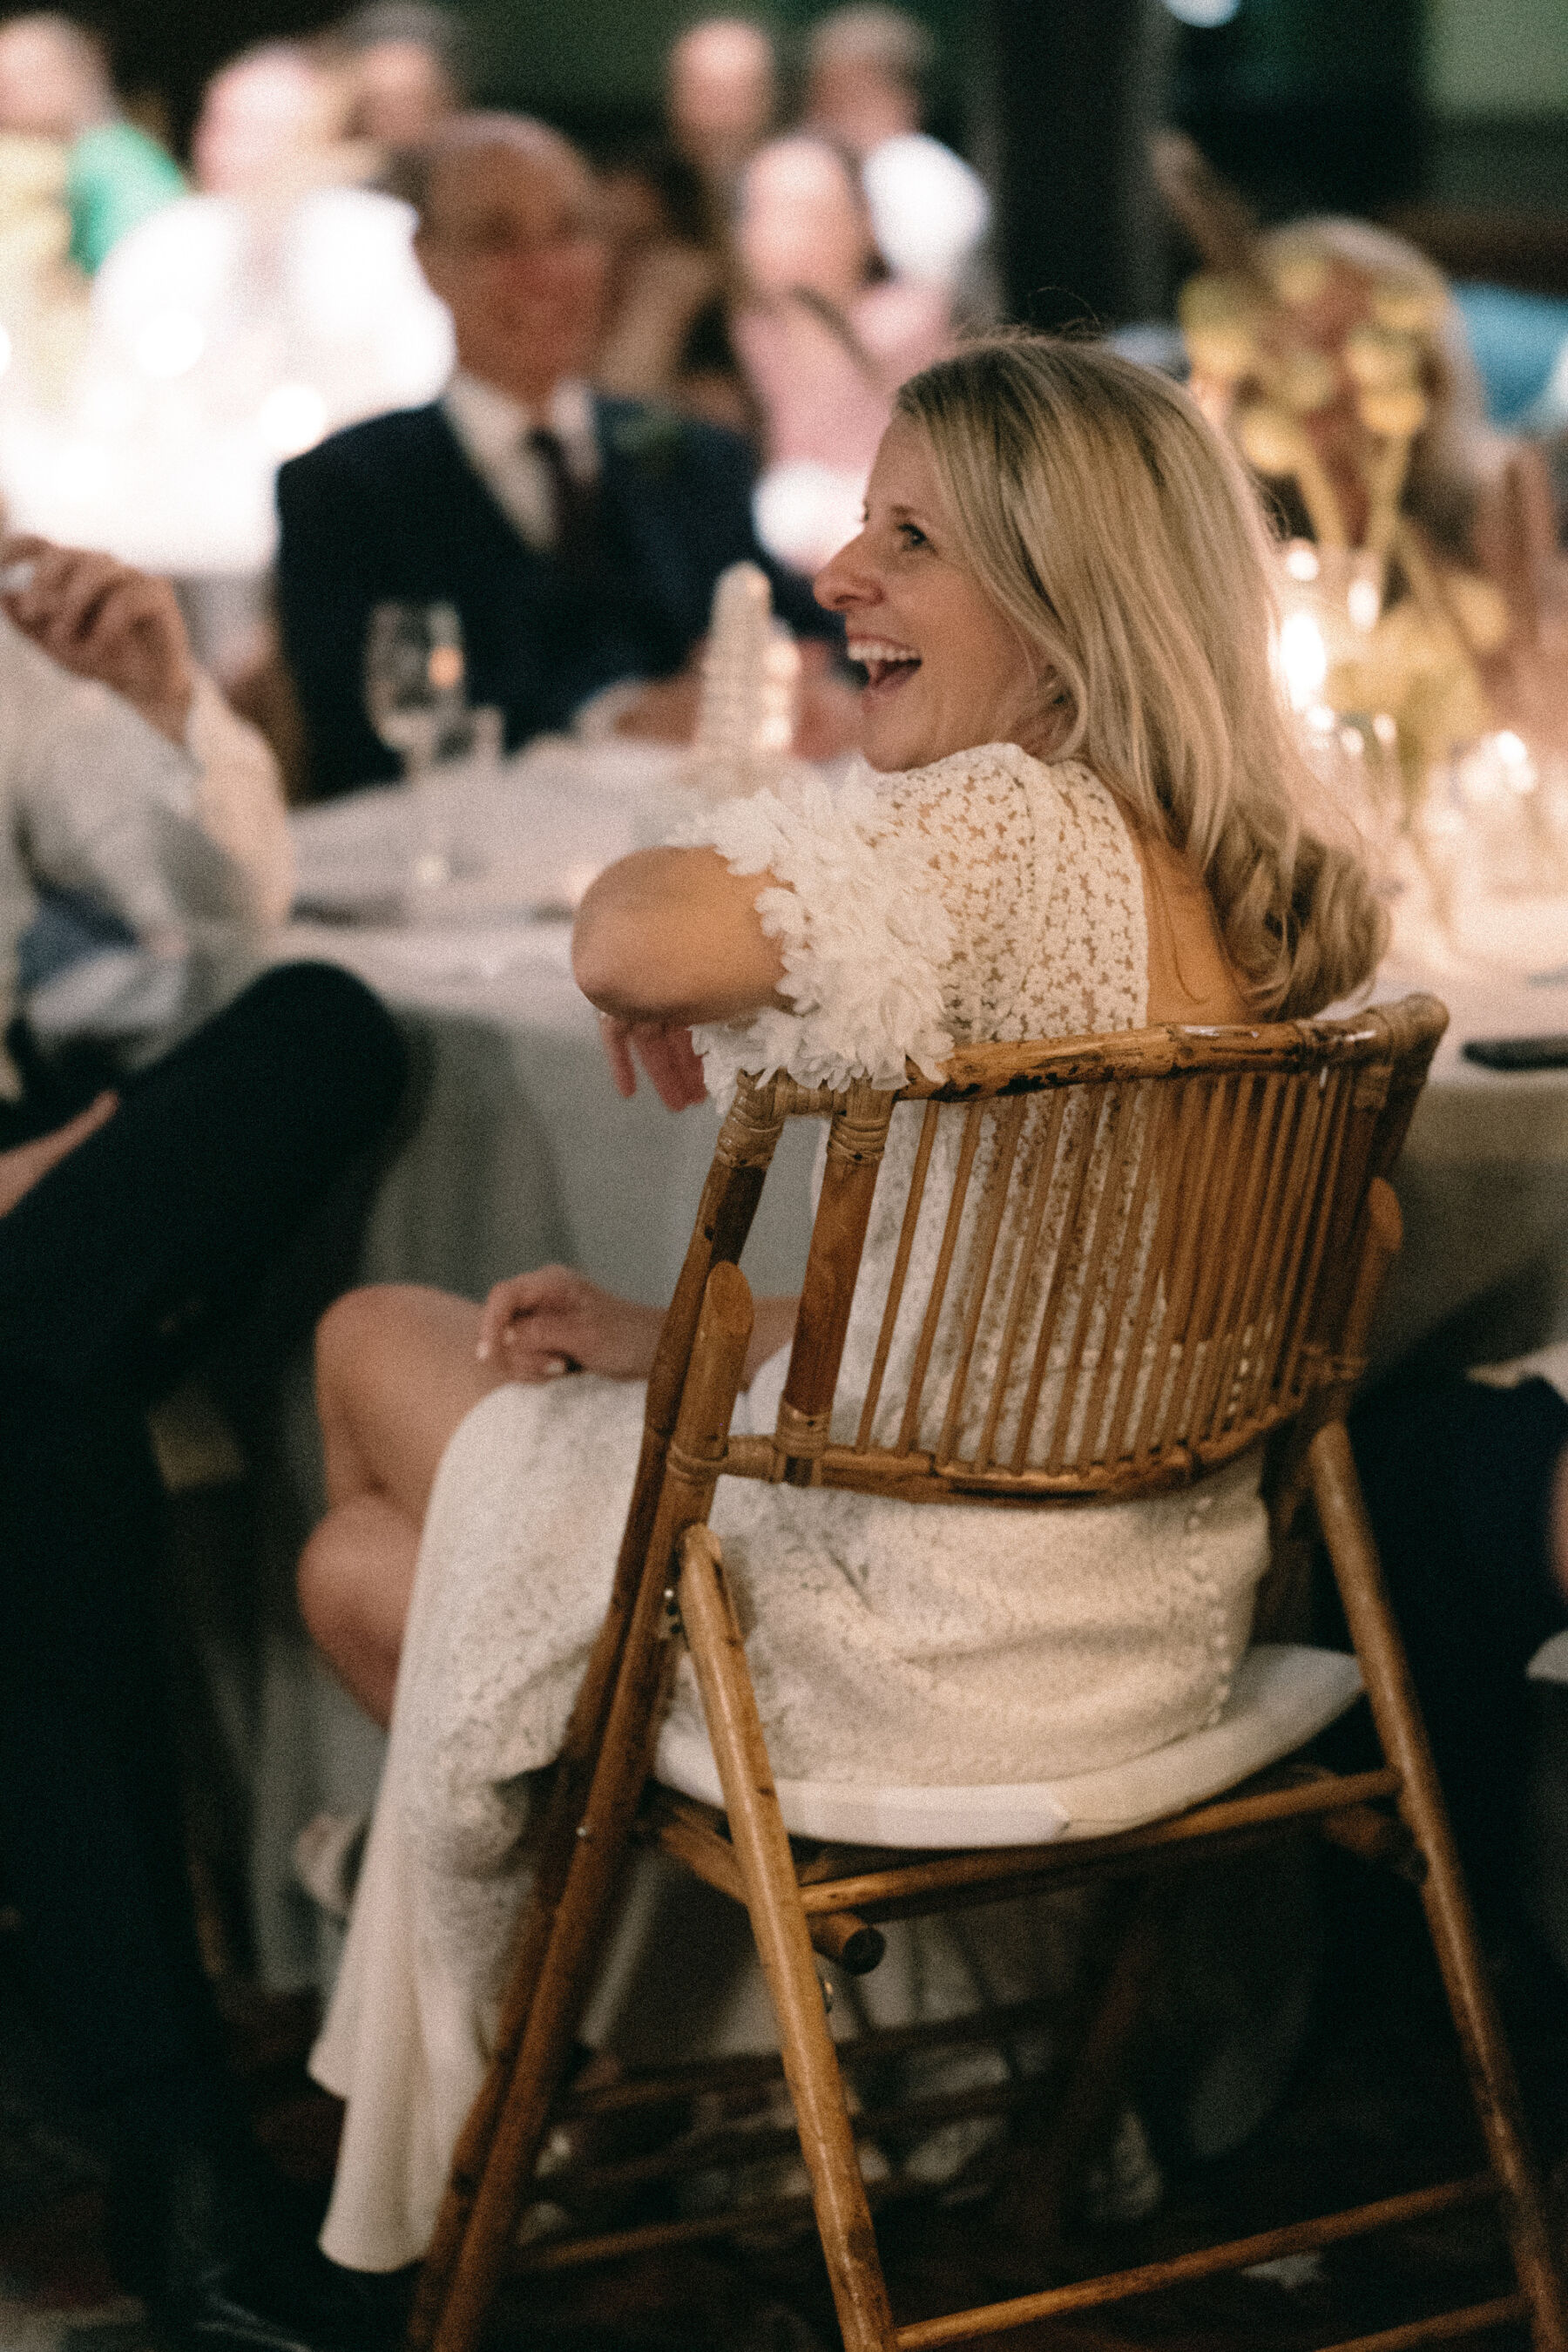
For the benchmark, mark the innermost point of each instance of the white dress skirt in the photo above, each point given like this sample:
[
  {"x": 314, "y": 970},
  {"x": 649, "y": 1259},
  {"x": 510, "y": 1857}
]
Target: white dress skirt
[{"x": 987, "y": 897}]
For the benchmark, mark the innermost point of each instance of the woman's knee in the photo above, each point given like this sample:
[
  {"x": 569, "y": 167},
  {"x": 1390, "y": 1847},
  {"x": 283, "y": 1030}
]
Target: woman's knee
[
  {"x": 331, "y": 1601},
  {"x": 357, "y": 1334}
]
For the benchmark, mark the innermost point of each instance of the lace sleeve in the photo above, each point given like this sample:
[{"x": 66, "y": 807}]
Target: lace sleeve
[{"x": 903, "y": 908}]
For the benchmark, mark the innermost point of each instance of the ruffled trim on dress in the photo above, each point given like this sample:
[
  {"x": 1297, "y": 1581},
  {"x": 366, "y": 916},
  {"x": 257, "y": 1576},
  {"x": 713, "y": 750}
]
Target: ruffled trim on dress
[{"x": 864, "y": 933}]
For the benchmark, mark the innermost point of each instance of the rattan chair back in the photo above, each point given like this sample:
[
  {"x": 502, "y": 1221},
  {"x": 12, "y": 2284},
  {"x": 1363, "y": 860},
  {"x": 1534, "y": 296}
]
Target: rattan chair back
[{"x": 1118, "y": 1261}]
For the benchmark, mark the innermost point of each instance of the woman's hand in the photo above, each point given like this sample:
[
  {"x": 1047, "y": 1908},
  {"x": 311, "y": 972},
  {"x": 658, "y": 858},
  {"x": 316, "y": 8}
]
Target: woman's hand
[
  {"x": 540, "y": 1325},
  {"x": 100, "y": 619},
  {"x": 666, "y": 1052}
]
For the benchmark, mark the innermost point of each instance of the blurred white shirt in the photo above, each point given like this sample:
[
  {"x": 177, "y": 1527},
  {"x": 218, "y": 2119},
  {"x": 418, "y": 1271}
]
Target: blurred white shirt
[
  {"x": 95, "y": 801},
  {"x": 928, "y": 209}
]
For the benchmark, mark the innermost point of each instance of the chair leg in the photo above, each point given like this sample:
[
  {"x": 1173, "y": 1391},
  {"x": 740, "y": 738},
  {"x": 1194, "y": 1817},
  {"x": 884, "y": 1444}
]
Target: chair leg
[
  {"x": 723, "y": 1220},
  {"x": 452, "y": 2315},
  {"x": 1341, "y": 1512},
  {"x": 557, "y": 1845},
  {"x": 784, "y": 1948}
]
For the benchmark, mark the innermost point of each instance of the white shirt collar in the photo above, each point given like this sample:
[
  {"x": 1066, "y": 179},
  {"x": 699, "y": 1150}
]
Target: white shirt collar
[{"x": 492, "y": 425}]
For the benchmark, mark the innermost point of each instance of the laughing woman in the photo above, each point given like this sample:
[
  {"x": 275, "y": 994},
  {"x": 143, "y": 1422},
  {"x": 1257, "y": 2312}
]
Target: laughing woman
[{"x": 1084, "y": 819}]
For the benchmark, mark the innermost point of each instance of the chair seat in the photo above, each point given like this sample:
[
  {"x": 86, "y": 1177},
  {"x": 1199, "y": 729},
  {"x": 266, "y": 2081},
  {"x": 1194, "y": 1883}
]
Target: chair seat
[{"x": 1281, "y": 1697}]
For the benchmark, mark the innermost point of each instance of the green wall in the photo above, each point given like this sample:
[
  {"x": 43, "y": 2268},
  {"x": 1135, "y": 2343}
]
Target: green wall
[
  {"x": 588, "y": 58},
  {"x": 1498, "y": 57}
]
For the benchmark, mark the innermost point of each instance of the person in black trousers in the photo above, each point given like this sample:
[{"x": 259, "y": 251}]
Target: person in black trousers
[{"x": 126, "y": 1239}]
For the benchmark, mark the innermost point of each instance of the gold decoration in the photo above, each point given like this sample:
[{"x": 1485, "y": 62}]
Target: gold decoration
[
  {"x": 1324, "y": 369},
  {"x": 1305, "y": 380},
  {"x": 1406, "y": 305},
  {"x": 1381, "y": 361},
  {"x": 1218, "y": 315},
  {"x": 1400, "y": 411},
  {"x": 1298, "y": 275}
]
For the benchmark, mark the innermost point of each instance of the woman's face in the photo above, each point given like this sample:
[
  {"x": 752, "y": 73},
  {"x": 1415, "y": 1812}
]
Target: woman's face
[{"x": 944, "y": 669}]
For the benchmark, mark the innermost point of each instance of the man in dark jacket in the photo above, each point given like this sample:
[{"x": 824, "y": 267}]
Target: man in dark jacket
[{"x": 579, "y": 537}]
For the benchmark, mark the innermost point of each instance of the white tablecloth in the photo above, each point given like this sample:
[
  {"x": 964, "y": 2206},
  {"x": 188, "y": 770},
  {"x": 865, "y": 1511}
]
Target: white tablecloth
[{"x": 522, "y": 1152}]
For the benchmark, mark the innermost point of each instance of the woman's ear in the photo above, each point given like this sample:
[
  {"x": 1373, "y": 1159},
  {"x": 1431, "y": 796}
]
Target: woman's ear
[{"x": 1051, "y": 714}]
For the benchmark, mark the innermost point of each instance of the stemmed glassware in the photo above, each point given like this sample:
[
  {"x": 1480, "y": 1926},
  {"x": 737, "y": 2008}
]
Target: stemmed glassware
[{"x": 413, "y": 674}]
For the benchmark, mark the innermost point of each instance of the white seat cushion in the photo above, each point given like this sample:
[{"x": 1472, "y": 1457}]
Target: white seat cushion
[{"x": 1280, "y": 1698}]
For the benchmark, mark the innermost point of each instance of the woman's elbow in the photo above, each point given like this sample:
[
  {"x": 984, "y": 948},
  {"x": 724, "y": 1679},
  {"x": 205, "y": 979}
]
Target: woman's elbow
[
  {"x": 672, "y": 935},
  {"x": 610, "y": 953}
]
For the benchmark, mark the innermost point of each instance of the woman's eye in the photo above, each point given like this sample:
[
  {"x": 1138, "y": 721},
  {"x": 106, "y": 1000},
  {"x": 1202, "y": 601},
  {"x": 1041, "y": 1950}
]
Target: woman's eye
[{"x": 912, "y": 535}]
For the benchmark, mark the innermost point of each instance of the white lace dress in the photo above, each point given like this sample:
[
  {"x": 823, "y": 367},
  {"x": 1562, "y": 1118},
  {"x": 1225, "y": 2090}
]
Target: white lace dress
[{"x": 986, "y": 897}]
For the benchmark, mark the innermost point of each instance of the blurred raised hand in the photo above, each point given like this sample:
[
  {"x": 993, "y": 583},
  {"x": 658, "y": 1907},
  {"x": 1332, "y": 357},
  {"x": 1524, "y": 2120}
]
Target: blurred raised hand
[{"x": 102, "y": 619}]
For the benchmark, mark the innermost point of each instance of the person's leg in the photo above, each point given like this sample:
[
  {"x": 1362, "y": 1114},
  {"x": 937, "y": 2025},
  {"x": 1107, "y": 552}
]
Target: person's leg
[
  {"x": 122, "y": 1257},
  {"x": 152, "y": 1231},
  {"x": 395, "y": 1373},
  {"x": 90, "y": 1825}
]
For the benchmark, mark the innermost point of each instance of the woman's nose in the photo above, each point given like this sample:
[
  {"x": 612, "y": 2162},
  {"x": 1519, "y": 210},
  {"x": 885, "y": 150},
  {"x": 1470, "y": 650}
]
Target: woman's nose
[{"x": 846, "y": 579}]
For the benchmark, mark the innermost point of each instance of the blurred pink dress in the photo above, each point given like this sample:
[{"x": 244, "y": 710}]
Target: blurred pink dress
[{"x": 825, "y": 381}]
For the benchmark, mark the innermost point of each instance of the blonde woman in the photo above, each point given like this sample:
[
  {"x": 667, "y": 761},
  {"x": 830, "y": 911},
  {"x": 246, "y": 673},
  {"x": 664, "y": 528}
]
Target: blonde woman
[{"x": 1084, "y": 819}]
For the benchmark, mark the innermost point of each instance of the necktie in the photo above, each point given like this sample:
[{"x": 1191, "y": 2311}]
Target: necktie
[{"x": 573, "y": 505}]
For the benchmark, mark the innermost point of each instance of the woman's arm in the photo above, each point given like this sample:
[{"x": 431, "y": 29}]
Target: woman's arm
[{"x": 671, "y": 936}]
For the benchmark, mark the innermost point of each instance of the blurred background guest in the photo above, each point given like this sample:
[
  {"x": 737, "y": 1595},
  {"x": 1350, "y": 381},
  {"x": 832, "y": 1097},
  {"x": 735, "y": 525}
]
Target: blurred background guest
[
  {"x": 671, "y": 278},
  {"x": 866, "y": 70},
  {"x": 579, "y": 539},
  {"x": 234, "y": 328},
  {"x": 721, "y": 99},
  {"x": 865, "y": 66},
  {"x": 407, "y": 71},
  {"x": 134, "y": 804},
  {"x": 54, "y": 84},
  {"x": 826, "y": 337},
  {"x": 275, "y": 120}
]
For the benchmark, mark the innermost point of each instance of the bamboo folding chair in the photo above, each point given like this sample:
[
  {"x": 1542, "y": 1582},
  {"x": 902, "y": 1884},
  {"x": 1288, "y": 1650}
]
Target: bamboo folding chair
[{"x": 1237, "y": 1229}]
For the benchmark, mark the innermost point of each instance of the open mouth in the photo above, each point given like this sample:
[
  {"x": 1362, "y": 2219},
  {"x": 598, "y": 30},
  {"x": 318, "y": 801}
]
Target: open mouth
[{"x": 886, "y": 665}]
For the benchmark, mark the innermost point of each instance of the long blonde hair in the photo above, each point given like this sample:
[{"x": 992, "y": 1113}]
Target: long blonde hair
[{"x": 1121, "y": 537}]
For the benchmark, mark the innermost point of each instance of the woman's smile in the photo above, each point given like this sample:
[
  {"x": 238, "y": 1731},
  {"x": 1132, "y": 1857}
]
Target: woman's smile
[{"x": 887, "y": 667}]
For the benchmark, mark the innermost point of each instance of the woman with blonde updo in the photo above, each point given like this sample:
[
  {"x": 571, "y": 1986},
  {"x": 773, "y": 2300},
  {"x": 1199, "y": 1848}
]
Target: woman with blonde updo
[{"x": 1083, "y": 817}]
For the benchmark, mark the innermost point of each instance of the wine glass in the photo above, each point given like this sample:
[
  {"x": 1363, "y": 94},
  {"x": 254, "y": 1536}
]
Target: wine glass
[
  {"x": 414, "y": 680},
  {"x": 413, "y": 693}
]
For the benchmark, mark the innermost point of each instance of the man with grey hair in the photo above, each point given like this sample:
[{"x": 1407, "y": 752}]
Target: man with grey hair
[
  {"x": 580, "y": 538},
  {"x": 721, "y": 96},
  {"x": 866, "y": 69}
]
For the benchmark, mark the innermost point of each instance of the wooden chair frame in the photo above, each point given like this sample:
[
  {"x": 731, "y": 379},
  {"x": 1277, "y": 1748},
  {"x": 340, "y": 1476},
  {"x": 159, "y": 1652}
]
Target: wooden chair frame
[{"x": 1281, "y": 1135}]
